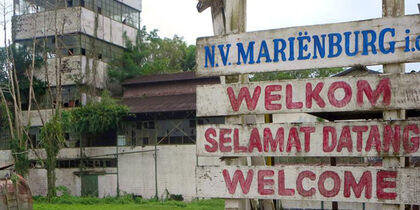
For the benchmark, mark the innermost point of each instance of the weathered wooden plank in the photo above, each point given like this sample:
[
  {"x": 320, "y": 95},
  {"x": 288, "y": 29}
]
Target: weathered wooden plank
[
  {"x": 344, "y": 139},
  {"x": 369, "y": 42},
  {"x": 348, "y": 184},
  {"x": 336, "y": 94}
]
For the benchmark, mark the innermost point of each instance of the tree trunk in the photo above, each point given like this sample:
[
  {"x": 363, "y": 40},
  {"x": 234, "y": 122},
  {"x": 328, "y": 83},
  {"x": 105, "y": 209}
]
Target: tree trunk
[{"x": 51, "y": 177}]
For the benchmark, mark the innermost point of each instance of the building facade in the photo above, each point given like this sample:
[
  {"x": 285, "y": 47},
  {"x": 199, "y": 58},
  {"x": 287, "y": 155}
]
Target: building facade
[{"x": 76, "y": 38}]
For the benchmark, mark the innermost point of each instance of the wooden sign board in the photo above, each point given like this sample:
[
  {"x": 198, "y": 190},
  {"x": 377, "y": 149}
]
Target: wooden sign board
[
  {"x": 369, "y": 42},
  {"x": 347, "y": 184},
  {"x": 334, "y": 94},
  {"x": 351, "y": 139}
]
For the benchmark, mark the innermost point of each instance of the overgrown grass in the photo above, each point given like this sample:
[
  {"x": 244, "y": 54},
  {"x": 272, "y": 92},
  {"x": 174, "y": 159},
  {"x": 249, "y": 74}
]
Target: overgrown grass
[{"x": 122, "y": 203}]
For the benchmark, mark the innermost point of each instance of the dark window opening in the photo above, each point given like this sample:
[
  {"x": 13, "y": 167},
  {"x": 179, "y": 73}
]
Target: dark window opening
[
  {"x": 83, "y": 51},
  {"x": 99, "y": 56},
  {"x": 69, "y": 3},
  {"x": 145, "y": 141},
  {"x": 82, "y": 3},
  {"x": 70, "y": 51},
  {"x": 99, "y": 10},
  {"x": 151, "y": 125},
  {"x": 192, "y": 123},
  {"x": 138, "y": 125}
]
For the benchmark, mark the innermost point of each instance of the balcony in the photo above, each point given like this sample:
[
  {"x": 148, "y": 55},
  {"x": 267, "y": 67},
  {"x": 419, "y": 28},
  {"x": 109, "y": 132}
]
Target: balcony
[
  {"x": 75, "y": 71},
  {"x": 72, "y": 20}
]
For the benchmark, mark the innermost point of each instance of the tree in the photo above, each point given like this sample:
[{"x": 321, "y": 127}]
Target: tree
[
  {"x": 151, "y": 54},
  {"x": 95, "y": 117}
]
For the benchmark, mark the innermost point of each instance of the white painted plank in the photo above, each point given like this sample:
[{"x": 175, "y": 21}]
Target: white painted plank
[
  {"x": 379, "y": 41},
  {"x": 311, "y": 183},
  {"x": 397, "y": 91},
  {"x": 344, "y": 139}
]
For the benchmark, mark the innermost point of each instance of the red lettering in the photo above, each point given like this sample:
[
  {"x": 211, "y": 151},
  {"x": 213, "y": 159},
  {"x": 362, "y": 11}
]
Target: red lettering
[
  {"x": 327, "y": 130},
  {"x": 251, "y": 102},
  {"x": 263, "y": 182},
  {"x": 347, "y": 94},
  {"x": 269, "y": 98},
  {"x": 321, "y": 184},
  {"x": 255, "y": 141},
  {"x": 282, "y": 188},
  {"x": 209, "y": 139},
  {"x": 223, "y": 139},
  {"x": 392, "y": 137},
  {"x": 299, "y": 183},
  {"x": 293, "y": 140},
  {"x": 415, "y": 140},
  {"x": 359, "y": 131},
  {"x": 373, "y": 136},
  {"x": 289, "y": 99},
  {"x": 238, "y": 176},
  {"x": 314, "y": 94},
  {"x": 269, "y": 142},
  {"x": 365, "y": 182},
  {"x": 383, "y": 87},
  {"x": 345, "y": 140},
  {"x": 382, "y": 184},
  {"x": 236, "y": 147},
  {"x": 307, "y": 131}
]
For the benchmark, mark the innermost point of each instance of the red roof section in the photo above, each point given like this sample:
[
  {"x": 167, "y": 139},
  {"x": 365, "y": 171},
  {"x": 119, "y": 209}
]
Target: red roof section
[
  {"x": 163, "y": 78},
  {"x": 184, "y": 102}
]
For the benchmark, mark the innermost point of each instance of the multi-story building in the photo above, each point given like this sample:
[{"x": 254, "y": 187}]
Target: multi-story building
[{"x": 76, "y": 38}]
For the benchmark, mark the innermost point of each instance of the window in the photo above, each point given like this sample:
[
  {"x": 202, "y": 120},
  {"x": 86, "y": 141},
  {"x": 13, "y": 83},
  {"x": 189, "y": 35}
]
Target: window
[
  {"x": 70, "y": 51},
  {"x": 99, "y": 10},
  {"x": 82, "y": 3},
  {"x": 69, "y": 3},
  {"x": 83, "y": 51},
  {"x": 145, "y": 141},
  {"x": 192, "y": 123}
]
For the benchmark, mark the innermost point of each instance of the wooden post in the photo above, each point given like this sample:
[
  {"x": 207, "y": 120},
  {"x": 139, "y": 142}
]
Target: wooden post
[
  {"x": 229, "y": 16},
  {"x": 393, "y": 8}
]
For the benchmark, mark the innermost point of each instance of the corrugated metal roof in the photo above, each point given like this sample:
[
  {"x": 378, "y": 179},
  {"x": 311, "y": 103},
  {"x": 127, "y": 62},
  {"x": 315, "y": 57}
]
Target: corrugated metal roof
[
  {"x": 184, "y": 102},
  {"x": 163, "y": 78}
]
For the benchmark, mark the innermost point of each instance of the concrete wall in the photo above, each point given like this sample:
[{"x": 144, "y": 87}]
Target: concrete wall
[
  {"x": 176, "y": 171},
  {"x": 74, "y": 69},
  {"x": 75, "y": 20}
]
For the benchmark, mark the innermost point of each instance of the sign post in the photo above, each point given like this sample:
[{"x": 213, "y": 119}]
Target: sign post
[
  {"x": 391, "y": 40},
  {"x": 394, "y": 8}
]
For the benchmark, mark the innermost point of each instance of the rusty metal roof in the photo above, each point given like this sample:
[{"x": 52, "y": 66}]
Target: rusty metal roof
[
  {"x": 184, "y": 102},
  {"x": 164, "y": 78}
]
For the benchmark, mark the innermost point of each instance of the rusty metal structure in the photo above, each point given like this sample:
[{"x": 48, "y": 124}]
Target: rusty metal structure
[{"x": 15, "y": 193}]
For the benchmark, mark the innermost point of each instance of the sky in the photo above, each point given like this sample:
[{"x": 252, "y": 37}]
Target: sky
[{"x": 180, "y": 17}]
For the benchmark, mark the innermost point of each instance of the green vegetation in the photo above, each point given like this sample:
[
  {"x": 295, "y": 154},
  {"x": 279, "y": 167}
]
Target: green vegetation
[
  {"x": 151, "y": 54},
  {"x": 311, "y": 73},
  {"x": 95, "y": 117},
  {"x": 126, "y": 202},
  {"x": 52, "y": 140}
]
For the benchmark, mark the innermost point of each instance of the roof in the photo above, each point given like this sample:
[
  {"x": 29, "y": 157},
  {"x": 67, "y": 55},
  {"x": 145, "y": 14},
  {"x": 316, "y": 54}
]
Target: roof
[
  {"x": 362, "y": 69},
  {"x": 163, "y": 78},
  {"x": 184, "y": 102}
]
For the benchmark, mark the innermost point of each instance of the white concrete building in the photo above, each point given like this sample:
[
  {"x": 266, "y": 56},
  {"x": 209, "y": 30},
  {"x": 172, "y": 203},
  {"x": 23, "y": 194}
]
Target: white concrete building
[{"x": 85, "y": 35}]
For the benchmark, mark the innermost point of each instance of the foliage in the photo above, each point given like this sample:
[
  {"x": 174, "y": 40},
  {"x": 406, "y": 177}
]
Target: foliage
[
  {"x": 311, "y": 73},
  {"x": 20, "y": 155},
  {"x": 22, "y": 61},
  {"x": 95, "y": 117},
  {"x": 151, "y": 54},
  {"x": 122, "y": 202},
  {"x": 52, "y": 140}
]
